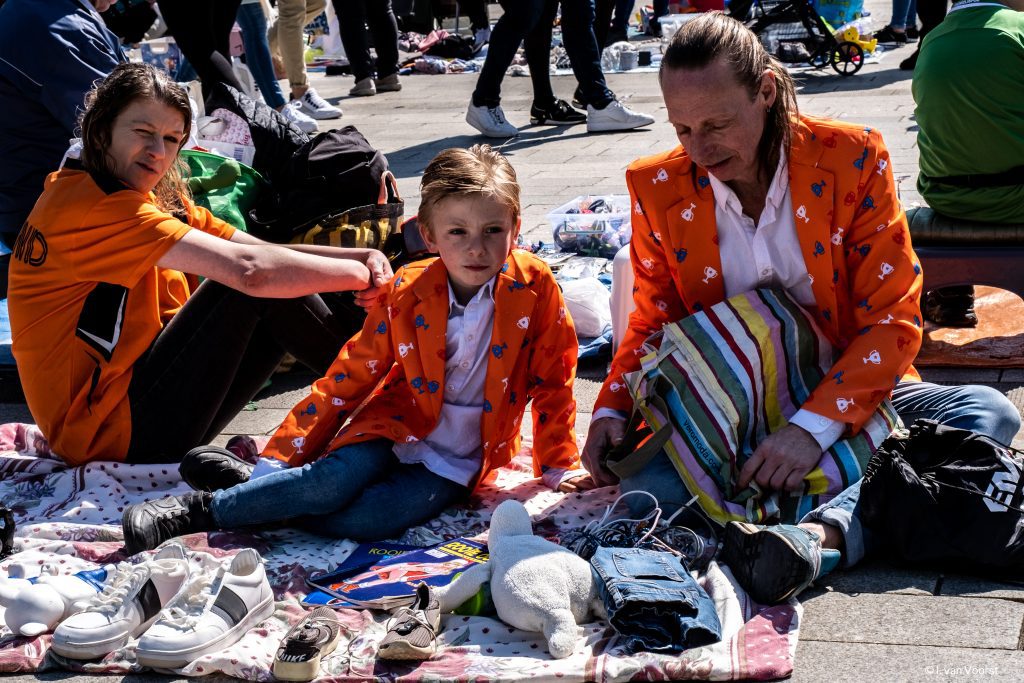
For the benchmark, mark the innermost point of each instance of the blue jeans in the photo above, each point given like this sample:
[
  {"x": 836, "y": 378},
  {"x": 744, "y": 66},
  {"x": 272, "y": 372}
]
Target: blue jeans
[
  {"x": 904, "y": 13},
  {"x": 977, "y": 408},
  {"x": 653, "y": 601},
  {"x": 360, "y": 491},
  {"x": 253, "y": 23}
]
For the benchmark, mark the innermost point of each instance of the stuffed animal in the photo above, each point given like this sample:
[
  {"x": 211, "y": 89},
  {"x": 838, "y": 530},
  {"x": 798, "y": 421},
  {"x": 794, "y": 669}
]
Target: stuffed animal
[
  {"x": 36, "y": 606},
  {"x": 536, "y": 585}
]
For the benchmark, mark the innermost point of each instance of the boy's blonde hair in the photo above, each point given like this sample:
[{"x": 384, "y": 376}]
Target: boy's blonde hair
[{"x": 456, "y": 172}]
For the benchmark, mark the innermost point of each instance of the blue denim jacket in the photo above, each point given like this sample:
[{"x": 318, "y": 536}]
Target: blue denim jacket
[{"x": 653, "y": 601}]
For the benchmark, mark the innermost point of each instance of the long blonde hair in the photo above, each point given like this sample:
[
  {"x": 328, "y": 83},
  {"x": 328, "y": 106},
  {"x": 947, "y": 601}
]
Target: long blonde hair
[{"x": 104, "y": 103}]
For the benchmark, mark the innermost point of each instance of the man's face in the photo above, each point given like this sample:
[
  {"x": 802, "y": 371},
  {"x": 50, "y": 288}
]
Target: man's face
[{"x": 102, "y": 5}]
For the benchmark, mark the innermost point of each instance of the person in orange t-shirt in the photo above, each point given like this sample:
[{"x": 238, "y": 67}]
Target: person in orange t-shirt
[
  {"x": 758, "y": 196},
  {"x": 119, "y": 358}
]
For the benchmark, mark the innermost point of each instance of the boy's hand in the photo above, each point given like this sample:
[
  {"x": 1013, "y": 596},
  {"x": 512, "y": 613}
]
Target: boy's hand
[
  {"x": 380, "y": 275},
  {"x": 604, "y": 434},
  {"x": 584, "y": 483},
  {"x": 781, "y": 461}
]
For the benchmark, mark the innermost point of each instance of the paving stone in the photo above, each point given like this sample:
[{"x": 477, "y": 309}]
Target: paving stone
[
  {"x": 260, "y": 421},
  {"x": 822, "y": 661},
  {"x": 878, "y": 578},
  {"x": 912, "y": 620},
  {"x": 973, "y": 586}
]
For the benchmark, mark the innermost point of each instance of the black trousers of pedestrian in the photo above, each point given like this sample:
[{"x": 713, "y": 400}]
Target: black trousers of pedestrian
[
  {"x": 353, "y": 18},
  {"x": 202, "y": 29},
  {"x": 212, "y": 358}
]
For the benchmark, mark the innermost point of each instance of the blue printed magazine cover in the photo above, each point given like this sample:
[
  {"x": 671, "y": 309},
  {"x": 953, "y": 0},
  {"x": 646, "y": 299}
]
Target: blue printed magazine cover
[{"x": 385, "y": 575}]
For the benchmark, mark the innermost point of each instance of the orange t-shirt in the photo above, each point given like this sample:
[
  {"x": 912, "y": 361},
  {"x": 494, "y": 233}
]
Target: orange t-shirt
[{"x": 87, "y": 299}]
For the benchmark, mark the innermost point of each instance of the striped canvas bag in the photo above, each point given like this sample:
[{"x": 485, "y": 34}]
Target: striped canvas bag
[{"x": 721, "y": 381}]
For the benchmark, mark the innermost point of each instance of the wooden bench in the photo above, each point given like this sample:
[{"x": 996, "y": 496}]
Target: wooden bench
[{"x": 957, "y": 252}]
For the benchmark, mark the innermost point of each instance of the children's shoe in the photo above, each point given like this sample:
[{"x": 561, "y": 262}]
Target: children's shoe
[
  {"x": 490, "y": 121},
  {"x": 950, "y": 306},
  {"x": 558, "y": 114},
  {"x": 211, "y": 468},
  {"x": 147, "y": 525},
  {"x": 209, "y": 614},
  {"x": 364, "y": 87},
  {"x": 388, "y": 83},
  {"x": 615, "y": 116},
  {"x": 292, "y": 113},
  {"x": 314, "y": 637},
  {"x": 775, "y": 563},
  {"x": 890, "y": 35},
  {"x": 130, "y": 601},
  {"x": 317, "y": 107},
  {"x": 412, "y": 632}
]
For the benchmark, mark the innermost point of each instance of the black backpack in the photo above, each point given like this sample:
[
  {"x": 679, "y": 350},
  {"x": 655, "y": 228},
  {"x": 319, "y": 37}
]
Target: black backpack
[
  {"x": 334, "y": 172},
  {"x": 949, "y": 497}
]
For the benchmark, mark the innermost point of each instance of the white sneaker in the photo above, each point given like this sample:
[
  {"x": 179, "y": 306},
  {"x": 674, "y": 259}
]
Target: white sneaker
[
  {"x": 490, "y": 121},
  {"x": 129, "y": 602},
  {"x": 616, "y": 116},
  {"x": 292, "y": 112},
  {"x": 317, "y": 107},
  {"x": 209, "y": 614}
]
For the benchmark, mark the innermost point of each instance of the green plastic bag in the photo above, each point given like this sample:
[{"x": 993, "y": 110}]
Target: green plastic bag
[{"x": 224, "y": 186}]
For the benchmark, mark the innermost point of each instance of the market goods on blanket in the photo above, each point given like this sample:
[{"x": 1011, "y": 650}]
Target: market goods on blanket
[
  {"x": 392, "y": 582},
  {"x": 36, "y": 605}
]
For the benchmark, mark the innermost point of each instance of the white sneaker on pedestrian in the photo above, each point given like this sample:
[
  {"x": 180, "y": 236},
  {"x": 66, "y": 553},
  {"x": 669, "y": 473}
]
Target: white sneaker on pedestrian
[
  {"x": 209, "y": 614},
  {"x": 317, "y": 107},
  {"x": 292, "y": 112},
  {"x": 615, "y": 116},
  {"x": 364, "y": 87},
  {"x": 388, "y": 83},
  {"x": 490, "y": 121},
  {"x": 129, "y": 602}
]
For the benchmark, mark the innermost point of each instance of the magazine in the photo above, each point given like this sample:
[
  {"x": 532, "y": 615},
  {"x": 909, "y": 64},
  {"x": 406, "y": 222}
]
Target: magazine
[{"x": 392, "y": 582}]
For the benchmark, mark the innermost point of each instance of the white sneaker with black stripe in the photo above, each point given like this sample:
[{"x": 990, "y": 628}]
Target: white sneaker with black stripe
[
  {"x": 130, "y": 601},
  {"x": 209, "y": 614}
]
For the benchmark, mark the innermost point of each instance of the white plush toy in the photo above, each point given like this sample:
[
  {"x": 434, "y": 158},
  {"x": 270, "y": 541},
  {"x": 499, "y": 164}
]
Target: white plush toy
[
  {"x": 536, "y": 585},
  {"x": 32, "y": 608}
]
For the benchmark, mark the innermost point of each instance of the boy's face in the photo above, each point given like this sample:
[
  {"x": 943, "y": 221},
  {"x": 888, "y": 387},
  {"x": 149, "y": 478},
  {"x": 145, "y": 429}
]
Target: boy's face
[{"x": 473, "y": 235}]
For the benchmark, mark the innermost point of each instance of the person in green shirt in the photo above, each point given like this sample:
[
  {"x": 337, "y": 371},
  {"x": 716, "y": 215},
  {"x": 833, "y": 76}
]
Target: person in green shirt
[{"x": 970, "y": 110}]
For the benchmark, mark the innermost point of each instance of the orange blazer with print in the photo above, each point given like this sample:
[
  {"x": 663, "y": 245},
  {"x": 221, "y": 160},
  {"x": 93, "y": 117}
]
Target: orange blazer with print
[
  {"x": 853, "y": 239},
  {"x": 398, "y": 361}
]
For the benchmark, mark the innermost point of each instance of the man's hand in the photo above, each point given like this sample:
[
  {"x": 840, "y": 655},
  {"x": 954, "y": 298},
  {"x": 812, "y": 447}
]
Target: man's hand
[
  {"x": 604, "y": 435},
  {"x": 380, "y": 275},
  {"x": 782, "y": 460},
  {"x": 577, "y": 484}
]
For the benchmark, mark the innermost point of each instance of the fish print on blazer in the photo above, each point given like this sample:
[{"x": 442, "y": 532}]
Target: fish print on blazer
[
  {"x": 854, "y": 241},
  {"x": 398, "y": 361}
]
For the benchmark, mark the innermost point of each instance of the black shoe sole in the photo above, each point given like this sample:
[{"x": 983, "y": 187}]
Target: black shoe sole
[
  {"x": 746, "y": 548},
  {"x": 547, "y": 121}
]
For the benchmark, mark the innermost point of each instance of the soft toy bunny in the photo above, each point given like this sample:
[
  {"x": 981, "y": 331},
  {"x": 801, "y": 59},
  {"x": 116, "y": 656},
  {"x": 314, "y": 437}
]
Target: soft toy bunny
[{"x": 536, "y": 585}]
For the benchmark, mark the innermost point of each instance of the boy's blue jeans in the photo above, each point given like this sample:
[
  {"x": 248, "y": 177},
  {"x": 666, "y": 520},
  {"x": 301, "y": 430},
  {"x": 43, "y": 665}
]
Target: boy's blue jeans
[
  {"x": 360, "y": 491},
  {"x": 653, "y": 601},
  {"x": 257, "y": 53},
  {"x": 977, "y": 408}
]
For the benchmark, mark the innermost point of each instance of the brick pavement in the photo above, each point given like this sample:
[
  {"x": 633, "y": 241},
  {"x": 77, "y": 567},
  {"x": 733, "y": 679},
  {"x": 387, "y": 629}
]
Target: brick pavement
[{"x": 877, "y": 622}]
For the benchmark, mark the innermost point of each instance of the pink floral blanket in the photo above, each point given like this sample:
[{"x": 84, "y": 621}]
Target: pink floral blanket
[{"x": 70, "y": 518}]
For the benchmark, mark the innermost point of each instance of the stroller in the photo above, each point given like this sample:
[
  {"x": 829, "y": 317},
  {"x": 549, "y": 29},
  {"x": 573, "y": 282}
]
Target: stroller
[{"x": 797, "y": 22}]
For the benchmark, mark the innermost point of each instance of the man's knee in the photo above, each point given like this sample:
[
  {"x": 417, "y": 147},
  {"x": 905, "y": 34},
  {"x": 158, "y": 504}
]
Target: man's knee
[{"x": 993, "y": 414}]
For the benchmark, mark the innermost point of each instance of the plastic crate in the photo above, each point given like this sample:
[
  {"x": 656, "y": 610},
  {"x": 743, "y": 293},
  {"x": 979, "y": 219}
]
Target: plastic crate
[{"x": 571, "y": 217}]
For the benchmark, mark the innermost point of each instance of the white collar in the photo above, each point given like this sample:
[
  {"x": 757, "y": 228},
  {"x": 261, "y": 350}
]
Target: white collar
[
  {"x": 487, "y": 289},
  {"x": 725, "y": 197}
]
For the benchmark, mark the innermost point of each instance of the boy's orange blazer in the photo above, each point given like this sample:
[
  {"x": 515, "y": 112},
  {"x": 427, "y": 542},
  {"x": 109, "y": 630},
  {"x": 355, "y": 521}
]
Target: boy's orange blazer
[
  {"x": 853, "y": 239},
  {"x": 399, "y": 356}
]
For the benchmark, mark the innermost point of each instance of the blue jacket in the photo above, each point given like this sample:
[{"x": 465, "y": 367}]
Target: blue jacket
[{"x": 51, "y": 53}]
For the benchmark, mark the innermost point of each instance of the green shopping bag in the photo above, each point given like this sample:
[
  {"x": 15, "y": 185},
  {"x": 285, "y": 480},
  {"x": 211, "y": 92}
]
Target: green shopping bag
[{"x": 224, "y": 186}]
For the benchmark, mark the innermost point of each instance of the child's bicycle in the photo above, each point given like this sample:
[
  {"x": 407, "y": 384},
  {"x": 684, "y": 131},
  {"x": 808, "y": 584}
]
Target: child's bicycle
[{"x": 797, "y": 21}]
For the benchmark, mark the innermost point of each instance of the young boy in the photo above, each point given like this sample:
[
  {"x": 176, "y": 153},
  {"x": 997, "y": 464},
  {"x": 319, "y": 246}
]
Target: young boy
[{"x": 449, "y": 359}]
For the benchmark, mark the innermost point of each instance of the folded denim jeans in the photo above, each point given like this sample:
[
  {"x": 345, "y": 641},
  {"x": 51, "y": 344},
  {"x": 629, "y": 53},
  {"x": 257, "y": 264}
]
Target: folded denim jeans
[{"x": 652, "y": 600}]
